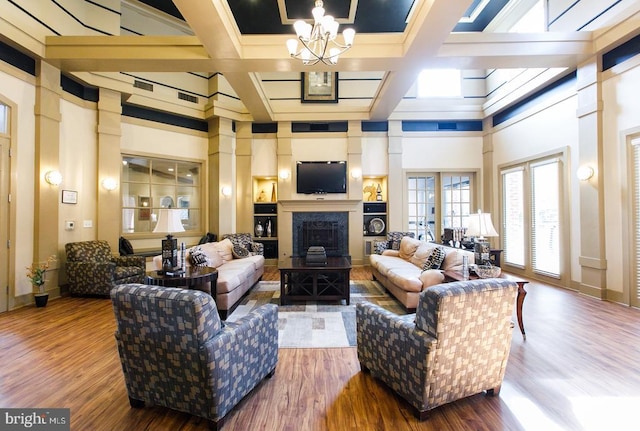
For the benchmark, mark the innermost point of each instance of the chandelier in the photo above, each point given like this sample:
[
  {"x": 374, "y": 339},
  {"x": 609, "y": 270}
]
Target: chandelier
[{"x": 319, "y": 42}]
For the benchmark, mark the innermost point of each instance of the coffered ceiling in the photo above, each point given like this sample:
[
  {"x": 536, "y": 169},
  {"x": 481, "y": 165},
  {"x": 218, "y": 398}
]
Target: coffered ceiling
[{"x": 395, "y": 39}]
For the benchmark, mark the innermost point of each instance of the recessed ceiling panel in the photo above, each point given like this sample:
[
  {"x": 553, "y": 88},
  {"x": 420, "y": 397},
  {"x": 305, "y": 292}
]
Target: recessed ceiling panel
[{"x": 364, "y": 16}]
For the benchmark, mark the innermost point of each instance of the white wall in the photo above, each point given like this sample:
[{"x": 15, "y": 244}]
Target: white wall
[
  {"x": 620, "y": 120},
  {"x": 78, "y": 165},
  {"x": 441, "y": 151},
  {"x": 541, "y": 131}
]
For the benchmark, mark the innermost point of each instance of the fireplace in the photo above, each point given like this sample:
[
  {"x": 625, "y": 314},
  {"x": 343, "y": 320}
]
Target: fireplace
[{"x": 327, "y": 229}]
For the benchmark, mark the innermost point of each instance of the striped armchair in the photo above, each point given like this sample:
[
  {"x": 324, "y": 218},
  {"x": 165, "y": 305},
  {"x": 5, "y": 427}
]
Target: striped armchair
[
  {"x": 455, "y": 345},
  {"x": 176, "y": 352}
]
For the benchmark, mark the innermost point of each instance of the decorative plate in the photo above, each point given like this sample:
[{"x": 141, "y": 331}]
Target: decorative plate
[{"x": 376, "y": 225}]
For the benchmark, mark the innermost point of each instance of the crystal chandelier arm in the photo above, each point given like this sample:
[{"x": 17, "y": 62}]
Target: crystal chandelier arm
[{"x": 316, "y": 39}]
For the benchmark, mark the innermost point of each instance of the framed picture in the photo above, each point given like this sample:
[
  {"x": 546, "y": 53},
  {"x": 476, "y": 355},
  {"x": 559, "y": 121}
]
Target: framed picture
[
  {"x": 69, "y": 197},
  {"x": 319, "y": 87}
]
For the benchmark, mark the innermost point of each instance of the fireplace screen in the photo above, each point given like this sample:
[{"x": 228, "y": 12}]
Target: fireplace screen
[
  {"x": 320, "y": 233},
  {"x": 327, "y": 229}
]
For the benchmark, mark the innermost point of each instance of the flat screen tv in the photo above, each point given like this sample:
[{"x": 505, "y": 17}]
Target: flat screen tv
[{"x": 321, "y": 177}]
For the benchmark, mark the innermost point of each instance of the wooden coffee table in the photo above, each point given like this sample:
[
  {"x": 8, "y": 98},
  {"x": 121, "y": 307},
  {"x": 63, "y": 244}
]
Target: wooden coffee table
[
  {"x": 457, "y": 276},
  {"x": 300, "y": 282},
  {"x": 194, "y": 277}
]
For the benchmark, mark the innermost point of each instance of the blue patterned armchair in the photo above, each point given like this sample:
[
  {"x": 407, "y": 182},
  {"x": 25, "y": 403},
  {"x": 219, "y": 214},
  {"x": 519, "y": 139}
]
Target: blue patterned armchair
[
  {"x": 455, "y": 345},
  {"x": 93, "y": 270},
  {"x": 176, "y": 352}
]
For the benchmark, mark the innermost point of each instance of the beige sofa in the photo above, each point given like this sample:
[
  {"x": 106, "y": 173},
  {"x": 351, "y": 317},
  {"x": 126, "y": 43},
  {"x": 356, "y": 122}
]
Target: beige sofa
[
  {"x": 236, "y": 275},
  {"x": 401, "y": 271}
]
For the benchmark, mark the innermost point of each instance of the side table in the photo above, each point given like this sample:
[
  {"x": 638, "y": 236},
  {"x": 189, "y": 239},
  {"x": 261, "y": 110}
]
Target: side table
[
  {"x": 201, "y": 278},
  {"x": 457, "y": 276}
]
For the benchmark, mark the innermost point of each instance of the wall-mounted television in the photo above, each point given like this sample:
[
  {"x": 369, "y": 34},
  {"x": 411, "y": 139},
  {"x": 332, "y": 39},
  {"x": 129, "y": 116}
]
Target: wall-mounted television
[{"x": 321, "y": 177}]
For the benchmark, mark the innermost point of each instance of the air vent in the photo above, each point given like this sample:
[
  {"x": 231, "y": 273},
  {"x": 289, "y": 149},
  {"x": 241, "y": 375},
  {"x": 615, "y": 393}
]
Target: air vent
[
  {"x": 143, "y": 85},
  {"x": 187, "y": 97}
]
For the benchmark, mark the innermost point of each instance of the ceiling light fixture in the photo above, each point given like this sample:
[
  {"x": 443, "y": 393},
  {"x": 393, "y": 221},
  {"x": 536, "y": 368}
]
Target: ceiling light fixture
[{"x": 319, "y": 42}]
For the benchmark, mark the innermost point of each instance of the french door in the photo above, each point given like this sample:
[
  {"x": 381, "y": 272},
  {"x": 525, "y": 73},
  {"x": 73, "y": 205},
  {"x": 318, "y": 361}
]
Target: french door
[
  {"x": 532, "y": 214},
  {"x": 436, "y": 201}
]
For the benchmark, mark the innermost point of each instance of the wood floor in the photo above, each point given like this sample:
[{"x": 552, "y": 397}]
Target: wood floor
[{"x": 579, "y": 369}]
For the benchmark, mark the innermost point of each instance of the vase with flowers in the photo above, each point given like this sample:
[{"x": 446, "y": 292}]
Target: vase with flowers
[{"x": 36, "y": 274}]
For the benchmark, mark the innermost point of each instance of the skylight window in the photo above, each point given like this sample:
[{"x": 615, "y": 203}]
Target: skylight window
[
  {"x": 439, "y": 83},
  {"x": 531, "y": 22}
]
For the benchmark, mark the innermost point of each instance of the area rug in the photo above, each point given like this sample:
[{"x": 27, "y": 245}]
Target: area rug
[{"x": 313, "y": 324}]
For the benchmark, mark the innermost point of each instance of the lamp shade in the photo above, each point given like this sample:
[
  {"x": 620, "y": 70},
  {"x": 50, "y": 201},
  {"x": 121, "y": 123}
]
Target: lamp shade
[
  {"x": 168, "y": 221},
  {"x": 480, "y": 225}
]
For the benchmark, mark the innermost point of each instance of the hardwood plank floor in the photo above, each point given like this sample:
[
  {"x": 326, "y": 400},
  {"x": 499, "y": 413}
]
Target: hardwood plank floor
[{"x": 578, "y": 370}]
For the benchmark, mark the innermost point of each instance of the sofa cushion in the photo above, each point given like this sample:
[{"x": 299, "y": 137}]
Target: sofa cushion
[
  {"x": 422, "y": 253},
  {"x": 431, "y": 277},
  {"x": 223, "y": 249},
  {"x": 408, "y": 247},
  {"x": 407, "y": 278},
  {"x": 453, "y": 259},
  {"x": 435, "y": 259}
]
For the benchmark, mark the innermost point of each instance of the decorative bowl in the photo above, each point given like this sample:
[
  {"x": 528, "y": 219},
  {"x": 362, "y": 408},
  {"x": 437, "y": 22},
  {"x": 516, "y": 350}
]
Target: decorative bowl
[{"x": 488, "y": 271}]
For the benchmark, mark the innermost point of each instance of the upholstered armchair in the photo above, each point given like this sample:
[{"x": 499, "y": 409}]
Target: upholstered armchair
[
  {"x": 392, "y": 242},
  {"x": 455, "y": 345},
  {"x": 245, "y": 240},
  {"x": 176, "y": 353},
  {"x": 93, "y": 270}
]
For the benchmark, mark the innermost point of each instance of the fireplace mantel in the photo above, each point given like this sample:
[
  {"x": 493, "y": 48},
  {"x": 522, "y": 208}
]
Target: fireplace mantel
[{"x": 320, "y": 204}]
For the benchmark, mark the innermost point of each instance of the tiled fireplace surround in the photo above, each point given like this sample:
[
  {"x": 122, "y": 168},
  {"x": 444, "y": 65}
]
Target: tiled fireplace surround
[{"x": 340, "y": 218}]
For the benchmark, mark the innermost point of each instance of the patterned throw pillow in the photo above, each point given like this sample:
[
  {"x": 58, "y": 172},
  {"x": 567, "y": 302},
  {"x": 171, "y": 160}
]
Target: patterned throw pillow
[
  {"x": 394, "y": 239},
  {"x": 240, "y": 252},
  {"x": 380, "y": 246},
  {"x": 198, "y": 258},
  {"x": 435, "y": 259}
]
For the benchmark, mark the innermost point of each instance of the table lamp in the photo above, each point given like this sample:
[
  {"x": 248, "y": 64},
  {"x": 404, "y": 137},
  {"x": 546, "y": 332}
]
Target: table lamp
[
  {"x": 480, "y": 226},
  {"x": 169, "y": 222}
]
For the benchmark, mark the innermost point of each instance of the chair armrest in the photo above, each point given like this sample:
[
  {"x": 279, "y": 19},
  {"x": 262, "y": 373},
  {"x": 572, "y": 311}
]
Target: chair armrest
[
  {"x": 393, "y": 349},
  {"x": 129, "y": 261},
  {"x": 95, "y": 267},
  {"x": 390, "y": 252},
  {"x": 241, "y": 355}
]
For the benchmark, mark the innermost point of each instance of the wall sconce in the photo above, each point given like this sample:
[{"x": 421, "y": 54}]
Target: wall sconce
[
  {"x": 226, "y": 191},
  {"x": 356, "y": 173},
  {"x": 584, "y": 173},
  {"x": 53, "y": 177},
  {"x": 283, "y": 174},
  {"x": 109, "y": 184}
]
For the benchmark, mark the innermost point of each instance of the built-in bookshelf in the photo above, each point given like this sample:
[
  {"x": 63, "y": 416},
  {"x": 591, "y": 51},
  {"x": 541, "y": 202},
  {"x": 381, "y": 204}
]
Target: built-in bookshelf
[{"x": 265, "y": 215}]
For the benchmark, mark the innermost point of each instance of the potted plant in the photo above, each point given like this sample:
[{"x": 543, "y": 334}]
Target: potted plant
[{"x": 36, "y": 273}]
